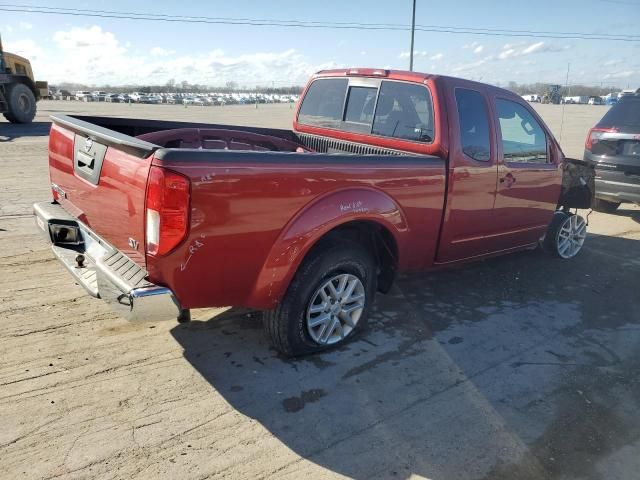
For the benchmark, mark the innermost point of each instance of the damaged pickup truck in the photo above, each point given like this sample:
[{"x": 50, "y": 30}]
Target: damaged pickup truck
[{"x": 383, "y": 172}]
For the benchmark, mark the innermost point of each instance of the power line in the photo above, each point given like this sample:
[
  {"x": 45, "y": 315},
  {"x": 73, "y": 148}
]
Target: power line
[{"x": 21, "y": 8}]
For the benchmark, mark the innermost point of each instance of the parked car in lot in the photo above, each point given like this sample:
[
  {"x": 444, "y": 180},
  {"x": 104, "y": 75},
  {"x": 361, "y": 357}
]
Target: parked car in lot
[
  {"x": 174, "y": 99},
  {"x": 152, "y": 99},
  {"x": 113, "y": 98},
  {"x": 614, "y": 146},
  {"x": 384, "y": 172},
  {"x": 99, "y": 96},
  {"x": 84, "y": 96},
  {"x": 60, "y": 94},
  {"x": 200, "y": 101}
]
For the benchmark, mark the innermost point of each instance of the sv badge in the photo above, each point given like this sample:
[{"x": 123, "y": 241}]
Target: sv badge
[{"x": 133, "y": 243}]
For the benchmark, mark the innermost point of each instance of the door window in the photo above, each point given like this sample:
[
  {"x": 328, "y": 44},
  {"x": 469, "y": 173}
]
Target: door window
[
  {"x": 523, "y": 139},
  {"x": 474, "y": 124}
]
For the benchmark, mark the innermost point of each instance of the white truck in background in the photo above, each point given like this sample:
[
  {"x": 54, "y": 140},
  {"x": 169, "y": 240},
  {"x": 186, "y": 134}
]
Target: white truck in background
[{"x": 580, "y": 99}]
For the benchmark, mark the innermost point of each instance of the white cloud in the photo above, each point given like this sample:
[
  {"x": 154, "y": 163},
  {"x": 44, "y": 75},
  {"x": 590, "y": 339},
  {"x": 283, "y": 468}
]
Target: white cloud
[
  {"x": 437, "y": 57},
  {"x": 94, "y": 56},
  {"x": 89, "y": 40},
  {"x": 26, "y": 48},
  {"x": 478, "y": 49},
  {"x": 161, "y": 52},
  {"x": 471, "y": 45},
  {"x": 416, "y": 53},
  {"x": 363, "y": 52},
  {"x": 470, "y": 66},
  {"x": 623, "y": 74},
  {"x": 534, "y": 47},
  {"x": 509, "y": 52},
  {"x": 25, "y": 25}
]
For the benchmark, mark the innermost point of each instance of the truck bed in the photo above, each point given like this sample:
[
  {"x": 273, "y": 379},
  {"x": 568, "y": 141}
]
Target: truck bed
[{"x": 254, "y": 212}]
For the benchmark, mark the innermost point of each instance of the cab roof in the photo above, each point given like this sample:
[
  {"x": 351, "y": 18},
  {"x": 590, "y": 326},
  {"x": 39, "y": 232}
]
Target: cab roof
[{"x": 417, "y": 77}]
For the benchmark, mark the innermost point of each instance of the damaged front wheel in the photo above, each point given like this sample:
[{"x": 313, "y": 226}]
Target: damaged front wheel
[{"x": 565, "y": 235}]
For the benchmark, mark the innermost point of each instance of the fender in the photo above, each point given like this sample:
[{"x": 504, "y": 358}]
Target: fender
[{"x": 311, "y": 224}]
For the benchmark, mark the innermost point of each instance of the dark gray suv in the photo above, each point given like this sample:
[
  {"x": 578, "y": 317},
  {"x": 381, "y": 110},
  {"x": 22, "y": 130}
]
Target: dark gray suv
[{"x": 614, "y": 146}]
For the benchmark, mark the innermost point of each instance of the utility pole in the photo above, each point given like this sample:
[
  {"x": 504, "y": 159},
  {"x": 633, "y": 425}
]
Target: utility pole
[
  {"x": 566, "y": 83},
  {"x": 413, "y": 32}
]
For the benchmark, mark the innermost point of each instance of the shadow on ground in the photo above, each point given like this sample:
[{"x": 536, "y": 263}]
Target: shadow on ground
[
  {"x": 518, "y": 367},
  {"x": 11, "y": 131},
  {"x": 627, "y": 212}
]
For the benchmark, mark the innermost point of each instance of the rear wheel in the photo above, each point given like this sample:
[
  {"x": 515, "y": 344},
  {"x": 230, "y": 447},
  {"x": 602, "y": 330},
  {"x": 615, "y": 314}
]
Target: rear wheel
[
  {"x": 565, "y": 235},
  {"x": 327, "y": 303},
  {"x": 22, "y": 104},
  {"x": 605, "y": 206}
]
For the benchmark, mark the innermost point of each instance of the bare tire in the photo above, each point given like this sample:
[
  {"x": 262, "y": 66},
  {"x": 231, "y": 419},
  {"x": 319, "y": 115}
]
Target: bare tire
[
  {"x": 565, "y": 235},
  {"x": 327, "y": 302},
  {"x": 22, "y": 104},
  {"x": 604, "y": 206}
]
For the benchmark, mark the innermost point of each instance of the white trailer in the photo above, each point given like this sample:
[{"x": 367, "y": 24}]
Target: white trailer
[
  {"x": 531, "y": 97},
  {"x": 581, "y": 99}
]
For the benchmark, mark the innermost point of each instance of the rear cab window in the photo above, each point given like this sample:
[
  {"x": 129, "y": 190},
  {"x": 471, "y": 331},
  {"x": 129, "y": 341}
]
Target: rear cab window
[
  {"x": 382, "y": 108},
  {"x": 323, "y": 103},
  {"x": 625, "y": 113}
]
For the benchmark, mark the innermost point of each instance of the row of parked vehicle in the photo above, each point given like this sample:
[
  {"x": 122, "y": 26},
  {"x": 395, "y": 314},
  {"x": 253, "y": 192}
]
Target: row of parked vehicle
[
  {"x": 609, "y": 99},
  {"x": 202, "y": 99}
]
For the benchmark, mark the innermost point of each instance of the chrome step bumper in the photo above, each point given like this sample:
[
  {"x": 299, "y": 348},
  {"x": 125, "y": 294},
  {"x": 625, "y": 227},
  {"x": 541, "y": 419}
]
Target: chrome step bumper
[{"x": 103, "y": 270}]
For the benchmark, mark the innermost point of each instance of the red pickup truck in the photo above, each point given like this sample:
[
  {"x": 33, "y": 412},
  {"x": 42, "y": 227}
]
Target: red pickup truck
[{"x": 383, "y": 172}]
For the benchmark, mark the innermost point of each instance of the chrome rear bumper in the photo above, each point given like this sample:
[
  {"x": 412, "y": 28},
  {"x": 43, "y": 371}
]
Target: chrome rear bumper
[{"x": 103, "y": 271}]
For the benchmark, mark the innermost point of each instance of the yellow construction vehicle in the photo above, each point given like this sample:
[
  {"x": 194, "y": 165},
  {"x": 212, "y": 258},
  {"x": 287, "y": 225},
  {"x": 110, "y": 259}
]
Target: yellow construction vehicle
[{"x": 19, "y": 92}]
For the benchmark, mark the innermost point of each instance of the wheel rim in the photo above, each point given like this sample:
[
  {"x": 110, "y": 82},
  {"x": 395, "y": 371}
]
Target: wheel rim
[
  {"x": 23, "y": 103},
  {"x": 335, "y": 309},
  {"x": 571, "y": 236}
]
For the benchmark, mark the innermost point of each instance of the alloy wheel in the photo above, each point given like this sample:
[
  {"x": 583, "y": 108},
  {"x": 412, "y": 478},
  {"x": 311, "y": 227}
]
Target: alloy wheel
[{"x": 335, "y": 308}]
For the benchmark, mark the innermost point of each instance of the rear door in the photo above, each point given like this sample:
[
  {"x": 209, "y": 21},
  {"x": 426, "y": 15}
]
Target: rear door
[
  {"x": 472, "y": 175},
  {"x": 529, "y": 177},
  {"x": 100, "y": 177}
]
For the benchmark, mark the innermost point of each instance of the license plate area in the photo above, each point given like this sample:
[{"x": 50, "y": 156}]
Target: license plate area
[{"x": 88, "y": 157}]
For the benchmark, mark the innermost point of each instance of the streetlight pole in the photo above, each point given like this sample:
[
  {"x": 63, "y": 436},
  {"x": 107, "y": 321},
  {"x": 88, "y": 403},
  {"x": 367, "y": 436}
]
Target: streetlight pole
[{"x": 413, "y": 31}]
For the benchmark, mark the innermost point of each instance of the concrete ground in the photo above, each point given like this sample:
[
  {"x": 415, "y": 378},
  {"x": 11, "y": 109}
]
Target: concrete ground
[{"x": 521, "y": 367}]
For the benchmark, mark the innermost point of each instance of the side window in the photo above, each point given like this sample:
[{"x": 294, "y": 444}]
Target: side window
[
  {"x": 523, "y": 139},
  {"x": 360, "y": 104},
  {"x": 404, "y": 111},
  {"x": 474, "y": 124},
  {"x": 323, "y": 103}
]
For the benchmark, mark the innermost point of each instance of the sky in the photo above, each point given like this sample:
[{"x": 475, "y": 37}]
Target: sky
[{"x": 101, "y": 51}]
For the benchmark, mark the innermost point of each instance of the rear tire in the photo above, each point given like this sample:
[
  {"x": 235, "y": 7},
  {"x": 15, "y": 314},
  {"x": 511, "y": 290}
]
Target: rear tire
[
  {"x": 605, "y": 206},
  {"x": 22, "y": 104},
  {"x": 293, "y": 326}
]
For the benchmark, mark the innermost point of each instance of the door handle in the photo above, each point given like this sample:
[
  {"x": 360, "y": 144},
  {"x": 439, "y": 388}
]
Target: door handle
[{"x": 508, "y": 180}]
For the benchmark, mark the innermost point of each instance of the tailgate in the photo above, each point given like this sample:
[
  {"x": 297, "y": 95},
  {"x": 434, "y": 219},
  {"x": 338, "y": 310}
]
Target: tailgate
[{"x": 100, "y": 177}]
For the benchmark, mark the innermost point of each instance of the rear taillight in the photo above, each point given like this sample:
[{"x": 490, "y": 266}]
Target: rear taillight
[
  {"x": 168, "y": 198},
  {"x": 595, "y": 134}
]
